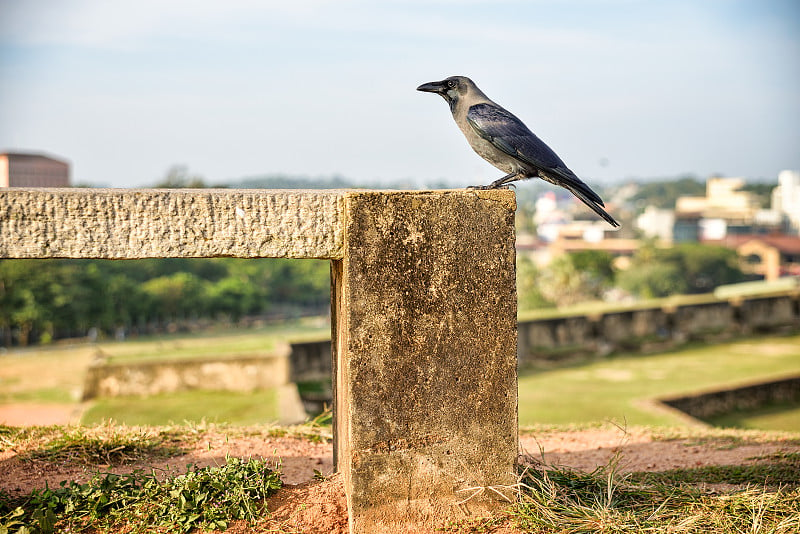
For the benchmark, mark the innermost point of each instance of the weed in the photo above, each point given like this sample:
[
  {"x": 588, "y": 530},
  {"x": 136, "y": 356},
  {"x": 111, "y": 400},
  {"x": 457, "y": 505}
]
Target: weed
[
  {"x": 558, "y": 499},
  {"x": 317, "y": 430},
  {"x": 206, "y": 498},
  {"x": 19, "y": 437},
  {"x": 104, "y": 445}
]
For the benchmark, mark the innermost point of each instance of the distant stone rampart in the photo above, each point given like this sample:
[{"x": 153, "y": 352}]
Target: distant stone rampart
[
  {"x": 249, "y": 372},
  {"x": 656, "y": 328},
  {"x": 705, "y": 405},
  {"x": 636, "y": 330}
]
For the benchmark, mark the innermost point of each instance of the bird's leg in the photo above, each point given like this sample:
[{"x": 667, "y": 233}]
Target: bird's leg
[
  {"x": 505, "y": 180},
  {"x": 498, "y": 183}
]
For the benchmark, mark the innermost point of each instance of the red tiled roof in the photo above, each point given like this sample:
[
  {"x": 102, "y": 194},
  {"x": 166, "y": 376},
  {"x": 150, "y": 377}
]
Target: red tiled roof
[{"x": 787, "y": 244}]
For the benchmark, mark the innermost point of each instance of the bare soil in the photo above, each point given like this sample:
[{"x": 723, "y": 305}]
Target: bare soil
[
  {"x": 312, "y": 506},
  {"x": 37, "y": 414}
]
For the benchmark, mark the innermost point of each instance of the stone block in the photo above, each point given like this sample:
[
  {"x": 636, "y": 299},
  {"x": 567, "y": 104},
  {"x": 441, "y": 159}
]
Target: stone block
[
  {"x": 170, "y": 223},
  {"x": 425, "y": 342}
]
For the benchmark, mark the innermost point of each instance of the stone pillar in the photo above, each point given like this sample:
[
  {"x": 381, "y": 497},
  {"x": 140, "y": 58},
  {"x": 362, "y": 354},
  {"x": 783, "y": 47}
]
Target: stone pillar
[{"x": 424, "y": 340}]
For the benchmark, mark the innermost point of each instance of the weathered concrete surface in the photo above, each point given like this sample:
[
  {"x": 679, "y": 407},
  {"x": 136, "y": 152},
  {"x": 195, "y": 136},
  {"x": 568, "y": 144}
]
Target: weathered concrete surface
[
  {"x": 425, "y": 337},
  {"x": 153, "y": 377},
  {"x": 163, "y": 223}
]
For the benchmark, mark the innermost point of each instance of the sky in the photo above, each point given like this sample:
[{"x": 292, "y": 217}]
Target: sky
[{"x": 619, "y": 89}]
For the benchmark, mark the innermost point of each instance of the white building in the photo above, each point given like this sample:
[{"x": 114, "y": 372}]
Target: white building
[
  {"x": 722, "y": 196},
  {"x": 655, "y": 222},
  {"x": 786, "y": 197}
]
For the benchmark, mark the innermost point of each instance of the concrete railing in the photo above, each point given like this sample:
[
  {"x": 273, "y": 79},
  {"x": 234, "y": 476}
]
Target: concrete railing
[{"x": 423, "y": 307}]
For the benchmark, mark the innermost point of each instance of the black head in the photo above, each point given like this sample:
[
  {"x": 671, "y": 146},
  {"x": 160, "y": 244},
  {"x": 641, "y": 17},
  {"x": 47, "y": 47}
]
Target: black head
[{"x": 451, "y": 89}]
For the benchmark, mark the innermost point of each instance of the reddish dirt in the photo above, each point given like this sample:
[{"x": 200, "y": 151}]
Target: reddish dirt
[
  {"x": 309, "y": 506},
  {"x": 639, "y": 451},
  {"x": 29, "y": 414}
]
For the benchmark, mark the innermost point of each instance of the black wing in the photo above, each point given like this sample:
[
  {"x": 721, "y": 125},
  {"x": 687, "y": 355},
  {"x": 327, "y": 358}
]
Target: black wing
[{"x": 509, "y": 134}]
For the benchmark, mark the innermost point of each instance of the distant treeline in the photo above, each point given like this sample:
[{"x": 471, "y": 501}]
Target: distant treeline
[
  {"x": 42, "y": 300},
  {"x": 654, "y": 272}
]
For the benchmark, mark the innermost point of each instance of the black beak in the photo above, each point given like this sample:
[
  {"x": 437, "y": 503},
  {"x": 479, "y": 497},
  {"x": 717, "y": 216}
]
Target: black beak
[{"x": 432, "y": 87}]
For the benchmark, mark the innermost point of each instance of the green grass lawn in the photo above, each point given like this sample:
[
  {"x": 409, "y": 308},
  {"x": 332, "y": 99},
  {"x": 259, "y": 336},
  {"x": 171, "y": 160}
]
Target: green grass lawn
[
  {"x": 188, "y": 406},
  {"x": 44, "y": 375},
  {"x": 620, "y": 388},
  {"x": 225, "y": 343}
]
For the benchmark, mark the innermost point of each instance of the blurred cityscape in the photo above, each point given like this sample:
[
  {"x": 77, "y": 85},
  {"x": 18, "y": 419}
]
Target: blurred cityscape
[
  {"x": 759, "y": 221},
  {"x": 680, "y": 235}
]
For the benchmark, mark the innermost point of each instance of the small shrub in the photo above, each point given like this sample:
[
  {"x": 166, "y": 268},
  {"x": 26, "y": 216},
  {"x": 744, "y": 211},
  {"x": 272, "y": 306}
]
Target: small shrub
[{"x": 205, "y": 498}]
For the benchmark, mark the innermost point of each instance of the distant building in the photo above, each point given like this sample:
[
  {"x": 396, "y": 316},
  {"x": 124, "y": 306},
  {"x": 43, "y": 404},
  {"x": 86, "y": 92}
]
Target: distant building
[
  {"x": 658, "y": 223},
  {"x": 722, "y": 196},
  {"x": 770, "y": 256},
  {"x": 722, "y": 212},
  {"x": 686, "y": 227},
  {"x": 32, "y": 170},
  {"x": 786, "y": 197},
  {"x": 548, "y": 217}
]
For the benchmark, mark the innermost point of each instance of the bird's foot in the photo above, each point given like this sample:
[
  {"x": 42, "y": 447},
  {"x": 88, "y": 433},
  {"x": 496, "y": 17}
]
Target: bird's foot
[{"x": 492, "y": 186}]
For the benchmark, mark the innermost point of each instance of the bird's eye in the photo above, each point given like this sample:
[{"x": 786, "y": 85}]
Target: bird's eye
[{"x": 451, "y": 84}]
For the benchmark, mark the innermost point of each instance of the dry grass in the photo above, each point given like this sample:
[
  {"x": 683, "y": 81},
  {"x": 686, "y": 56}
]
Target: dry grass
[{"x": 554, "y": 499}]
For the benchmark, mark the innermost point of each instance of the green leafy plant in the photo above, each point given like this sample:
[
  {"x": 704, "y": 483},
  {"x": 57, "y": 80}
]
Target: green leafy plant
[{"x": 206, "y": 498}]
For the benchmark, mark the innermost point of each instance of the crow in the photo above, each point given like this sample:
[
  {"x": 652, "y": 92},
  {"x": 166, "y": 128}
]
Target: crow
[{"x": 503, "y": 140}]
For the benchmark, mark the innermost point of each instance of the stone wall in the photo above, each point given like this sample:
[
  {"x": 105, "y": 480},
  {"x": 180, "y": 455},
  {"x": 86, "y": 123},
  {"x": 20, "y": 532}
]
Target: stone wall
[
  {"x": 766, "y": 314},
  {"x": 144, "y": 378},
  {"x": 645, "y": 330},
  {"x": 656, "y": 328},
  {"x": 310, "y": 361},
  {"x": 698, "y": 321},
  {"x": 713, "y": 403}
]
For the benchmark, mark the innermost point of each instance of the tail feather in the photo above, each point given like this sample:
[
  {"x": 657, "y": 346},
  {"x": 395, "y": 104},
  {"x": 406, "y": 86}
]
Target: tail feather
[
  {"x": 568, "y": 179},
  {"x": 595, "y": 207}
]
